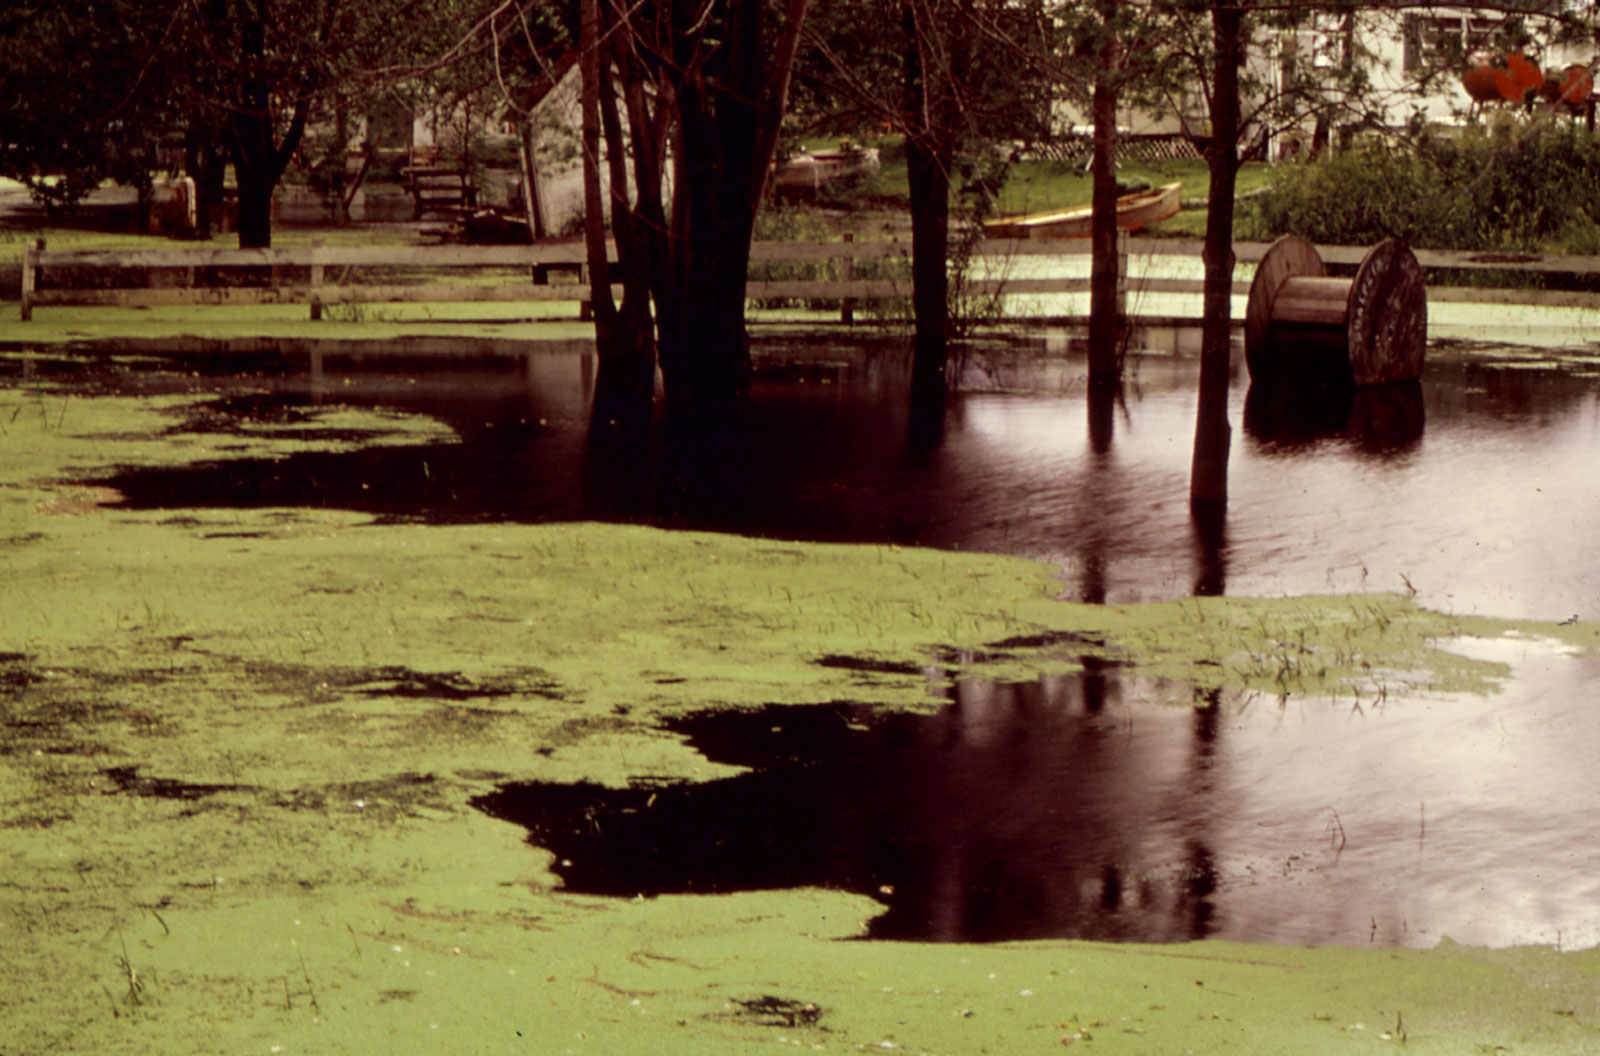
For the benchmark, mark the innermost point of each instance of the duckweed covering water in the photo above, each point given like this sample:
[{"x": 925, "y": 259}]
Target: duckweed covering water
[{"x": 239, "y": 749}]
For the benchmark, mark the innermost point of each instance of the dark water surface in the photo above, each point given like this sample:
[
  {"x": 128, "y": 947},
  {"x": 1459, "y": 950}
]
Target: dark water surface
[
  {"x": 1102, "y": 806},
  {"x": 1480, "y": 490},
  {"x": 1085, "y": 805}
]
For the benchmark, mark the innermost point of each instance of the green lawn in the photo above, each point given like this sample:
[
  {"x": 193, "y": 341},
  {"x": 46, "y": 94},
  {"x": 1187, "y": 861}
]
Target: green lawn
[{"x": 1042, "y": 185}]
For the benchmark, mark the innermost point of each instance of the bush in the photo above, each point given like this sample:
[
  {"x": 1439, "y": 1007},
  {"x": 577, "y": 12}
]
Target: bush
[
  {"x": 776, "y": 223},
  {"x": 1354, "y": 198},
  {"x": 1510, "y": 186}
]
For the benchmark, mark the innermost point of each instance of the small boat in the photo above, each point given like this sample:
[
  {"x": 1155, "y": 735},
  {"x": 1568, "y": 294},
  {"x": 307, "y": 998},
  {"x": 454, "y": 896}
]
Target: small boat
[
  {"x": 1133, "y": 212},
  {"x": 809, "y": 170}
]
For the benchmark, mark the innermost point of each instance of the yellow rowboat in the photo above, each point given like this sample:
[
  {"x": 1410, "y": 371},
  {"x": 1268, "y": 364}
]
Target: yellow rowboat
[{"x": 1133, "y": 212}]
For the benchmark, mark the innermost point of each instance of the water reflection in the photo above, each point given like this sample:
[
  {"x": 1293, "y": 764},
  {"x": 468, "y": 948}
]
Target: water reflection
[
  {"x": 1381, "y": 420},
  {"x": 1076, "y": 805},
  {"x": 1489, "y": 509},
  {"x": 1015, "y": 811},
  {"x": 1098, "y": 805}
]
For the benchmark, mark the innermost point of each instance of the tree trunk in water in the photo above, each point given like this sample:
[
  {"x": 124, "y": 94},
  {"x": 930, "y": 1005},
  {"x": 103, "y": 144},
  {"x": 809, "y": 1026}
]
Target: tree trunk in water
[
  {"x": 928, "y": 171},
  {"x": 708, "y": 80},
  {"x": 700, "y": 300},
  {"x": 930, "y": 151},
  {"x": 1105, "y": 309},
  {"x": 1209, "y": 524},
  {"x": 727, "y": 120},
  {"x": 624, "y": 342},
  {"x": 1208, "y": 479}
]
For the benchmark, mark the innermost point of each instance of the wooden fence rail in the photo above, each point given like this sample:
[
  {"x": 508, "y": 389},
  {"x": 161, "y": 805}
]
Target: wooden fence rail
[{"x": 315, "y": 288}]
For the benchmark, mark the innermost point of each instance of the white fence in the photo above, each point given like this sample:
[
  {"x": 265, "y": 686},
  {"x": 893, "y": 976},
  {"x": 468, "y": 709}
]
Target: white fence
[{"x": 320, "y": 275}]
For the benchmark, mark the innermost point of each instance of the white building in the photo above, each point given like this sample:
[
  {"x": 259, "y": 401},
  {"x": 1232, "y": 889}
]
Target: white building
[{"x": 1413, "y": 61}]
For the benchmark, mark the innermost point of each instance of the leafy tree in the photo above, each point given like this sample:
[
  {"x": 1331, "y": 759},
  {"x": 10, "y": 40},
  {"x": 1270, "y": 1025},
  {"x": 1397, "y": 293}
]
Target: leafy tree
[
  {"x": 93, "y": 86},
  {"x": 699, "y": 90},
  {"x": 79, "y": 96},
  {"x": 924, "y": 69},
  {"x": 261, "y": 70},
  {"x": 1119, "y": 55},
  {"x": 534, "y": 48}
]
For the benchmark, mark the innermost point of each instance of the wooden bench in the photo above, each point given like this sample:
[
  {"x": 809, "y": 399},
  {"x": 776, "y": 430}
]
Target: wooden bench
[{"x": 435, "y": 189}]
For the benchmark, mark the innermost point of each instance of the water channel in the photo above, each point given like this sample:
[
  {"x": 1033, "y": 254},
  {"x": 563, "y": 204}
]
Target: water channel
[{"x": 1085, "y": 805}]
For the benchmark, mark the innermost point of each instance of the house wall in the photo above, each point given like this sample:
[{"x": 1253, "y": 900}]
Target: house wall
[{"x": 1396, "y": 48}]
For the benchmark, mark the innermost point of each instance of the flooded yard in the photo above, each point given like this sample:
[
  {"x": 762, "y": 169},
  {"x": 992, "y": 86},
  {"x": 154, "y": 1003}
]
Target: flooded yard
[
  {"x": 1477, "y": 492},
  {"x": 334, "y": 652},
  {"x": 1103, "y": 806}
]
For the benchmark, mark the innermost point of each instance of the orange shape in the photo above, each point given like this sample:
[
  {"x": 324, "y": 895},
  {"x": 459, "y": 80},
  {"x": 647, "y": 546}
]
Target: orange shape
[
  {"x": 1526, "y": 75},
  {"x": 1576, "y": 85},
  {"x": 1480, "y": 84}
]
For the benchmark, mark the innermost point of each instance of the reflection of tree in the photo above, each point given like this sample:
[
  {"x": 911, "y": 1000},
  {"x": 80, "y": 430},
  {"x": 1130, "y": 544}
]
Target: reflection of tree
[
  {"x": 1098, "y": 488},
  {"x": 930, "y": 397},
  {"x": 1102, "y": 403},
  {"x": 1051, "y": 819},
  {"x": 1018, "y": 810},
  {"x": 1201, "y": 785}
]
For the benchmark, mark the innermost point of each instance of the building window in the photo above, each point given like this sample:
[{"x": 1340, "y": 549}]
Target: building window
[{"x": 1433, "y": 41}]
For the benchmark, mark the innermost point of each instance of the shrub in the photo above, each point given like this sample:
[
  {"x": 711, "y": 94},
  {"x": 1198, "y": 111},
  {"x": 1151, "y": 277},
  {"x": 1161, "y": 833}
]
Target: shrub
[
  {"x": 1511, "y": 185},
  {"x": 1357, "y": 197},
  {"x": 776, "y": 223}
]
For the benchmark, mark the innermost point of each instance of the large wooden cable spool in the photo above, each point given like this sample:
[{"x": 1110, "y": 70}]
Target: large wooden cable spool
[{"x": 1375, "y": 325}]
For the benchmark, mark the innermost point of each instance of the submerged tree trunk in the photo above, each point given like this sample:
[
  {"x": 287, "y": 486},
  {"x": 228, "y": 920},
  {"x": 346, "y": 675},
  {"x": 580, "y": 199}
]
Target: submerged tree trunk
[
  {"x": 1208, "y": 480},
  {"x": 1105, "y": 309},
  {"x": 727, "y": 114},
  {"x": 937, "y": 65},
  {"x": 702, "y": 88},
  {"x": 928, "y": 172},
  {"x": 624, "y": 338},
  {"x": 930, "y": 152},
  {"x": 705, "y": 355}
]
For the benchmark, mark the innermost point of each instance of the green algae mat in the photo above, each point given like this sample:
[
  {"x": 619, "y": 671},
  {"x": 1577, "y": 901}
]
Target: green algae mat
[{"x": 239, "y": 749}]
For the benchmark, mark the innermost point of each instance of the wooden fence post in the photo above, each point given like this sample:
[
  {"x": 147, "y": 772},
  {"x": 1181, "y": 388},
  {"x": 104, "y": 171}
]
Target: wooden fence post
[
  {"x": 317, "y": 273},
  {"x": 847, "y": 272},
  {"x": 30, "y": 275}
]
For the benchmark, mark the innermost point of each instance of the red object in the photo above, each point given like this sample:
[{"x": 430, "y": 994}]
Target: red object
[
  {"x": 1577, "y": 83},
  {"x": 1518, "y": 78},
  {"x": 1479, "y": 83}
]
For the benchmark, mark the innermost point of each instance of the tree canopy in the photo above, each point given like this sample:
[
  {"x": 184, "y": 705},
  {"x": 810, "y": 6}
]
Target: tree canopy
[{"x": 92, "y": 89}]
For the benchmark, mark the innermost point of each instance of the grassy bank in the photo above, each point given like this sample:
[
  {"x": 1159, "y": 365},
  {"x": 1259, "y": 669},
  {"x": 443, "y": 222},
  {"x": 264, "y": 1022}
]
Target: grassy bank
[
  {"x": 1039, "y": 185},
  {"x": 240, "y": 747}
]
